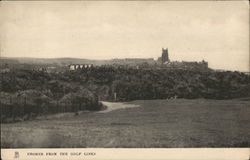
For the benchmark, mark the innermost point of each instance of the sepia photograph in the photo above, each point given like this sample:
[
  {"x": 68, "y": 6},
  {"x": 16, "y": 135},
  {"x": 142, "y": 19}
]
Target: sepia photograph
[{"x": 124, "y": 74}]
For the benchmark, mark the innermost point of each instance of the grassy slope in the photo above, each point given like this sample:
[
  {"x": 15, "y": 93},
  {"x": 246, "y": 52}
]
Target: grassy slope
[{"x": 157, "y": 123}]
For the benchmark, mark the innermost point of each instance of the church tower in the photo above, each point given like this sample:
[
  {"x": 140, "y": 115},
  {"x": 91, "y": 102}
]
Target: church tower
[{"x": 164, "y": 56}]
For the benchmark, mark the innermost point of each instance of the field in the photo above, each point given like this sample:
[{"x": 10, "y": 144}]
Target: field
[{"x": 143, "y": 124}]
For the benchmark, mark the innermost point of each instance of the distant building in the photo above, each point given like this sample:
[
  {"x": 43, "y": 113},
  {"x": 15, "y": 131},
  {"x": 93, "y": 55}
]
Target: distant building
[
  {"x": 73, "y": 67},
  {"x": 164, "y": 56},
  {"x": 166, "y": 63},
  {"x": 5, "y": 68},
  {"x": 186, "y": 65},
  {"x": 247, "y": 73},
  {"x": 133, "y": 61}
]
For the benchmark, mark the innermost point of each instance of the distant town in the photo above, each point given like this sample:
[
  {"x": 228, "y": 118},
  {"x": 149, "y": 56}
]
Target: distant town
[{"x": 73, "y": 64}]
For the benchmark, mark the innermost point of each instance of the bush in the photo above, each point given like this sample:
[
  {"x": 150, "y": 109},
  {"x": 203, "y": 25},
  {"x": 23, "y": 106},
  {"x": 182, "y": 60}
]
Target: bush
[{"x": 28, "y": 93}]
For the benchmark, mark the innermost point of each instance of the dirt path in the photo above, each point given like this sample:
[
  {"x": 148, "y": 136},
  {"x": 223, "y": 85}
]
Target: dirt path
[{"x": 111, "y": 106}]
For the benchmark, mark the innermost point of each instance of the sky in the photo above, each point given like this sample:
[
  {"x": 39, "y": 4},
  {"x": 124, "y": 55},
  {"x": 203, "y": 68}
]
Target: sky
[{"x": 216, "y": 31}]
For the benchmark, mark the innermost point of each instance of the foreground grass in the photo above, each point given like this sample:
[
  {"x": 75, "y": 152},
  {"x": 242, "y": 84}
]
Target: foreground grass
[{"x": 156, "y": 123}]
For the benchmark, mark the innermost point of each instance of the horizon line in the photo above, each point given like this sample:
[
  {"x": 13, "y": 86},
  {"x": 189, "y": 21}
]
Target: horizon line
[{"x": 244, "y": 71}]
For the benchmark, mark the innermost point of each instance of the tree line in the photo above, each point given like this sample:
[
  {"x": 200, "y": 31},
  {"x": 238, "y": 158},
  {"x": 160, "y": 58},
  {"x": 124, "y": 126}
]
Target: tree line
[{"x": 26, "y": 94}]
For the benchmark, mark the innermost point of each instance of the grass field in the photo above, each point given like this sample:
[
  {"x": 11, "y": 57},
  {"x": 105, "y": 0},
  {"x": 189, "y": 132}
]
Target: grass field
[{"x": 155, "y": 123}]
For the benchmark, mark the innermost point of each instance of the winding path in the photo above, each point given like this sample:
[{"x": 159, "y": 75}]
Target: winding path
[{"x": 111, "y": 106}]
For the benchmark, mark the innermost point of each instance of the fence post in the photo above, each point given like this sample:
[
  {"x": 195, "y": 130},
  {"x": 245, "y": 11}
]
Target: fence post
[{"x": 115, "y": 96}]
